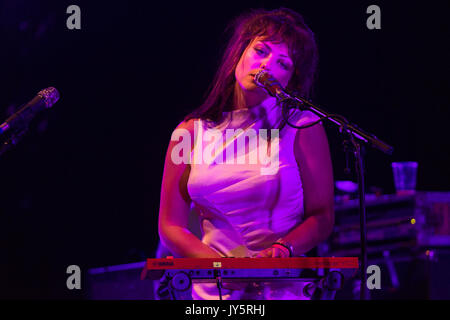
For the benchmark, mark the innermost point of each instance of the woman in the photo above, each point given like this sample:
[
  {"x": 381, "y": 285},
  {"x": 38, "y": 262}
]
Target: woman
[{"x": 245, "y": 211}]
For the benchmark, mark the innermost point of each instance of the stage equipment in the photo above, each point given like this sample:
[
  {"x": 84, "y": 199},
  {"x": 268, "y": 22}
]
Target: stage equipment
[
  {"x": 404, "y": 232},
  {"x": 178, "y": 274}
]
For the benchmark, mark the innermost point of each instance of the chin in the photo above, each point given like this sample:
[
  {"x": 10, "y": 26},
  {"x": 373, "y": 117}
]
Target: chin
[
  {"x": 256, "y": 90},
  {"x": 250, "y": 86}
]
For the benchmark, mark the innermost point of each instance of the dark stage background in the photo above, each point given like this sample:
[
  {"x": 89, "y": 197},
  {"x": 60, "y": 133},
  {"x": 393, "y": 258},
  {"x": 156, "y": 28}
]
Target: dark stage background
[{"x": 83, "y": 186}]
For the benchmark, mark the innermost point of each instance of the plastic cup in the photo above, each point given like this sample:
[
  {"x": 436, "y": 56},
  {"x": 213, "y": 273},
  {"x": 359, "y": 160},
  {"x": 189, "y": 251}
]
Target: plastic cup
[{"x": 405, "y": 177}]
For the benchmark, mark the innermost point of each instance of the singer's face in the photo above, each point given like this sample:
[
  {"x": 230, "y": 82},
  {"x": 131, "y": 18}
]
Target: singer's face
[{"x": 273, "y": 57}]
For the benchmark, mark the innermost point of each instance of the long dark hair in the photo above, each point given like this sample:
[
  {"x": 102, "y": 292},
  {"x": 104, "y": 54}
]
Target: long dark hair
[{"x": 280, "y": 25}]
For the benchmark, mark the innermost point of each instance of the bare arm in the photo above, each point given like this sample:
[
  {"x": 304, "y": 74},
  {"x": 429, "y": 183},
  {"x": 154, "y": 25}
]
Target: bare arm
[
  {"x": 313, "y": 158},
  {"x": 175, "y": 207}
]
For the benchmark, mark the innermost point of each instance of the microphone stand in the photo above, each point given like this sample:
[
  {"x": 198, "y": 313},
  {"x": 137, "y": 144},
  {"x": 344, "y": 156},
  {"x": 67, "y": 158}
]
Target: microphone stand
[{"x": 357, "y": 138}]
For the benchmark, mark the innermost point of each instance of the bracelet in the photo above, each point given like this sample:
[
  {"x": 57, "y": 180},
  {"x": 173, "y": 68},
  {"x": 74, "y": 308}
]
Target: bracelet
[
  {"x": 286, "y": 245},
  {"x": 275, "y": 244}
]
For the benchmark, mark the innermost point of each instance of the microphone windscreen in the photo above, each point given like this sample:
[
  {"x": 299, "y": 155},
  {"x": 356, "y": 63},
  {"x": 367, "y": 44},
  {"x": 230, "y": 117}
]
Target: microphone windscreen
[{"x": 50, "y": 96}]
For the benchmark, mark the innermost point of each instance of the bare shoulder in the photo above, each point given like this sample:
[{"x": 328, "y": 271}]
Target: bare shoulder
[
  {"x": 312, "y": 139},
  {"x": 186, "y": 129},
  {"x": 187, "y": 124}
]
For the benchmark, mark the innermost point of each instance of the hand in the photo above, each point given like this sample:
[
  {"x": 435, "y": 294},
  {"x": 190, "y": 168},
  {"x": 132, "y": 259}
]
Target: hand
[{"x": 275, "y": 251}]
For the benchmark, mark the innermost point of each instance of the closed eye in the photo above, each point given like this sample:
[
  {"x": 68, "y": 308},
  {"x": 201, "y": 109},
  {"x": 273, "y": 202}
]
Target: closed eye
[
  {"x": 284, "y": 65},
  {"x": 259, "y": 51}
]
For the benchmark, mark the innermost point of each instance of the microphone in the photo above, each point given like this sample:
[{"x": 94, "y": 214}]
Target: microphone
[
  {"x": 265, "y": 80},
  {"x": 45, "y": 98}
]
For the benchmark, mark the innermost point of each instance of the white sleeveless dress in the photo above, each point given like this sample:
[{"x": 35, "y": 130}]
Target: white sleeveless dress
[{"x": 244, "y": 205}]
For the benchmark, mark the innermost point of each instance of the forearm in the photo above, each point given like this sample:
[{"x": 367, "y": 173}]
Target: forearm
[
  {"x": 183, "y": 243},
  {"x": 314, "y": 230}
]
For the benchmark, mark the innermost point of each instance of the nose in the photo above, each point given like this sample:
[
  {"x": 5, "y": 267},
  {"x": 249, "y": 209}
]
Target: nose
[{"x": 266, "y": 62}]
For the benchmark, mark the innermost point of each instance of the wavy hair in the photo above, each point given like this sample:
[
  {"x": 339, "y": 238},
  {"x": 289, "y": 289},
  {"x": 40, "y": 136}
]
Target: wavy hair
[{"x": 280, "y": 25}]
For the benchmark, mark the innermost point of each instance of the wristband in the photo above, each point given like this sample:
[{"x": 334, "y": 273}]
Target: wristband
[
  {"x": 279, "y": 246},
  {"x": 285, "y": 244}
]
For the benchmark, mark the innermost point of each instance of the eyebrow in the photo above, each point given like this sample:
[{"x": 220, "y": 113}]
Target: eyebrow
[{"x": 265, "y": 44}]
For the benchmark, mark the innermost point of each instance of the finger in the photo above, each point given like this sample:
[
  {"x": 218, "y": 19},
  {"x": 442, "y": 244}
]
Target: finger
[
  {"x": 276, "y": 253},
  {"x": 267, "y": 253},
  {"x": 279, "y": 253}
]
